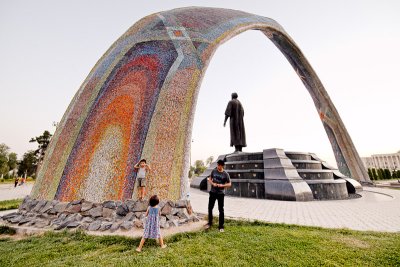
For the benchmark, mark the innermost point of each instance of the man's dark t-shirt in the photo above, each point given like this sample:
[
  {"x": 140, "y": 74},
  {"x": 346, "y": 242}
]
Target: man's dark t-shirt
[{"x": 219, "y": 178}]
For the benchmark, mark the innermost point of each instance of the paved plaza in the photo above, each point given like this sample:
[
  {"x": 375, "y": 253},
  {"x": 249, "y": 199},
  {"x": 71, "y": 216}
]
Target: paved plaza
[
  {"x": 8, "y": 191},
  {"x": 377, "y": 210}
]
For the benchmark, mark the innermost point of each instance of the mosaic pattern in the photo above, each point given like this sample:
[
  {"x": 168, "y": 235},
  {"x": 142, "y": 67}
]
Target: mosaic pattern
[{"x": 139, "y": 102}]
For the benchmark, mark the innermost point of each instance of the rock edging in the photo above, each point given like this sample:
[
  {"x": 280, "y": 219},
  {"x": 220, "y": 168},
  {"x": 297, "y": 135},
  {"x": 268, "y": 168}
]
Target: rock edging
[{"x": 107, "y": 216}]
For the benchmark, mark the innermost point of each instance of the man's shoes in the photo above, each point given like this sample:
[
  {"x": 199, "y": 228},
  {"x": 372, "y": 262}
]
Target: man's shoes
[
  {"x": 207, "y": 226},
  {"x": 221, "y": 230}
]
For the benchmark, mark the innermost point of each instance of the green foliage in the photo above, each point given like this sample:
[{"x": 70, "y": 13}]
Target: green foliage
[
  {"x": 8, "y": 161},
  {"x": 199, "y": 167},
  {"x": 10, "y": 204},
  {"x": 387, "y": 174},
  {"x": 28, "y": 164},
  {"x": 12, "y": 161},
  {"x": 4, "y": 151},
  {"x": 242, "y": 244},
  {"x": 43, "y": 142},
  {"x": 370, "y": 174},
  {"x": 381, "y": 175},
  {"x": 191, "y": 171},
  {"x": 374, "y": 174},
  {"x": 209, "y": 160}
]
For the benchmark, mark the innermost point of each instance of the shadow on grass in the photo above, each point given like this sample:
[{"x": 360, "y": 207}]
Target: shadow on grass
[{"x": 6, "y": 230}]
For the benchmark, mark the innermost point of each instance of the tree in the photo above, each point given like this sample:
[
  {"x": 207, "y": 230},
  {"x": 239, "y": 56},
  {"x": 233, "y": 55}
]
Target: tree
[
  {"x": 374, "y": 174},
  {"x": 43, "y": 142},
  {"x": 191, "y": 171},
  {"x": 209, "y": 160},
  {"x": 28, "y": 164},
  {"x": 199, "y": 167},
  {"x": 12, "y": 161},
  {"x": 388, "y": 175},
  {"x": 380, "y": 174},
  {"x": 371, "y": 176},
  {"x": 4, "y": 150}
]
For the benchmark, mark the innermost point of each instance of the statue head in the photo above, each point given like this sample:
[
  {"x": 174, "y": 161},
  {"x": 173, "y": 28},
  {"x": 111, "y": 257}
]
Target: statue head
[{"x": 234, "y": 95}]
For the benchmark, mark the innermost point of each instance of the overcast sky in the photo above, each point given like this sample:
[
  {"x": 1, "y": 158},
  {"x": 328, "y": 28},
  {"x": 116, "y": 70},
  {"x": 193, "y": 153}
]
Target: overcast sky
[{"x": 48, "y": 48}]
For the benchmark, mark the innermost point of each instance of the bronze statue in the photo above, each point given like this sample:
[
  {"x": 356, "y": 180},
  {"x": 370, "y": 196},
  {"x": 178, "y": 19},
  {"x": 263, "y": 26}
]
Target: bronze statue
[{"x": 235, "y": 112}]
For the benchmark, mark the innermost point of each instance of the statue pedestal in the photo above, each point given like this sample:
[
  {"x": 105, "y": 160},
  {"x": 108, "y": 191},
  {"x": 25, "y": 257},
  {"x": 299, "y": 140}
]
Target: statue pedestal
[{"x": 276, "y": 174}]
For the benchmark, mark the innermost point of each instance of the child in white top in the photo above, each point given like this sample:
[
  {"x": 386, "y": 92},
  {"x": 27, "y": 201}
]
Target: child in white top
[{"x": 142, "y": 168}]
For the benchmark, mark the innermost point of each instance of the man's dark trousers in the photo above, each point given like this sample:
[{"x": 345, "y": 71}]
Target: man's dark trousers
[{"x": 211, "y": 203}]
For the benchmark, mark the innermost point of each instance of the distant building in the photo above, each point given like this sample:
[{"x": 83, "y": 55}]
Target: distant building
[{"x": 384, "y": 161}]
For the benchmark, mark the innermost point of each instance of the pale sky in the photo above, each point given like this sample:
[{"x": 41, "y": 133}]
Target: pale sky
[{"x": 48, "y": 48}]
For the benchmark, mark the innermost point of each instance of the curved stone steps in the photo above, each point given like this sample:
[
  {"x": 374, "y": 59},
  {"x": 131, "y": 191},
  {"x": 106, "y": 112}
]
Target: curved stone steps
[
  {"x": 328, "y": 189},
  {"x": 243, "y": 165},
  {"x": 244, "y": 156},
  {"x": 298, "y": 155},
  {"x": 307, "y": 164},
  {"x": 308, "y": 174},
  {"x": 246, "y": 174}
]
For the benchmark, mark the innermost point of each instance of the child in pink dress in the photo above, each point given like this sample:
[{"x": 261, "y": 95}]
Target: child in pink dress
[{"x": 152, "y": 226}]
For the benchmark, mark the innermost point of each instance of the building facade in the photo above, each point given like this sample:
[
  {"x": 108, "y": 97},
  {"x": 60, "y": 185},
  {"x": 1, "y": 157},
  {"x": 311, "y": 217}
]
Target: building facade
[{"x": 384, "y": 161}]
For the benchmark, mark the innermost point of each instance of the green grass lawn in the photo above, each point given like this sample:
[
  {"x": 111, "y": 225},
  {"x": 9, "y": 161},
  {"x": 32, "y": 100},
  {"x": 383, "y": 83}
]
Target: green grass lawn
[
  {"x": 242, "y": 244},
  {"x": 7, "y": 181},
  {"x": 12, "y": 181},
  {"x": 10, "y": 204}
]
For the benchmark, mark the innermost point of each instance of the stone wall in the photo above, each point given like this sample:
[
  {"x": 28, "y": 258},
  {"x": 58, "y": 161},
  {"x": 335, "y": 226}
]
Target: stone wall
[{"x": 86, "y": 215}]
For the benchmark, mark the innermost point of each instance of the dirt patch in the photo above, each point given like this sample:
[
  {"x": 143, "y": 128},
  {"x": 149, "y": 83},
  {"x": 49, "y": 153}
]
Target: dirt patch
[
  {"x": 24, "y": 232},
  {"x": 14, "y": 237},
  {"x": 136, "y": 233},
  {"x": 352, "y": 242}
]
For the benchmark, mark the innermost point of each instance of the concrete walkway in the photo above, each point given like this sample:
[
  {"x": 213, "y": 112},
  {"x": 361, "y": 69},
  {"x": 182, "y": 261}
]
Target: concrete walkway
[
  {"x": 377, "y": 210},
  {"x": 8, "y": 191}
]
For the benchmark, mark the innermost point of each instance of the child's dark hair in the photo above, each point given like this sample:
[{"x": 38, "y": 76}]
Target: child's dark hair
[
  {"x": 154, "y": 200},
  {"x": 142, "y": 160}
]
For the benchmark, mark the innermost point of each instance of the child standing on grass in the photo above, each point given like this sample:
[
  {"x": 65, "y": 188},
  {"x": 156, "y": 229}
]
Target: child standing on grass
[
  {"x": 152, "y": 226},
  {"x": 142, "y": 168}
]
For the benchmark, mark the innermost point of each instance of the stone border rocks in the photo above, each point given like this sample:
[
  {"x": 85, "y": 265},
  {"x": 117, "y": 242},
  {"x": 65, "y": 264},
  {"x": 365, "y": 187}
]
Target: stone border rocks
[{"x": 107, "y": 216}]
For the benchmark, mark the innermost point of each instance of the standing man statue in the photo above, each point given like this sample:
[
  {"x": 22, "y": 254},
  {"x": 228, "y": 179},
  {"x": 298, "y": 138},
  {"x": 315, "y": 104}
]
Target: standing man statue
[{"x": 235, "y": 112}]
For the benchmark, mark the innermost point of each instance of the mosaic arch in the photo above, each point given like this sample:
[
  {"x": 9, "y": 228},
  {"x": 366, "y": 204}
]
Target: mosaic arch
[{"x": 139, "y": 102}]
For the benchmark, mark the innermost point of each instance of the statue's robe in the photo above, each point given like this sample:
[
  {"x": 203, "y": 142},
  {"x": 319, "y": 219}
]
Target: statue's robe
[{"x": 235, "y": 112}]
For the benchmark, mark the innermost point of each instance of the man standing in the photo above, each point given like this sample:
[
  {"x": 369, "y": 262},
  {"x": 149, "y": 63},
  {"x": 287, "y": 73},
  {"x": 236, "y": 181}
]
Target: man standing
[
  {"x": 219, "y": 180},
  {"x": 235, "y": 112}
]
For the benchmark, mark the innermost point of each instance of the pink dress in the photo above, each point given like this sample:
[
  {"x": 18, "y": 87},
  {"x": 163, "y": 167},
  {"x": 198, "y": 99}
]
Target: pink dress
[{"x": 152, "y": 226}]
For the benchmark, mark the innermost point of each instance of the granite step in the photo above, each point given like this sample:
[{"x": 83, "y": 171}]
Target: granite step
[
  {"x": 328, "y": 189},
  {"x": 242, "y": 165},
  {"x": 308, "y": 174},
  {"x": 246, "y": 174},
  {"x": 307, "y": 164},
  {"x": 298, "y": 155},
  {"x": 244, "y": 156}
]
